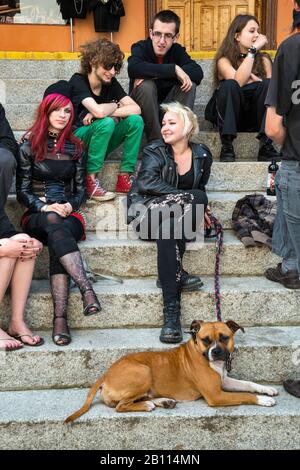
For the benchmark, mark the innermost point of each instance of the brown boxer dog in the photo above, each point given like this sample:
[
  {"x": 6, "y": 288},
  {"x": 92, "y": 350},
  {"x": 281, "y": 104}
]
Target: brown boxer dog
[{"x": 195, "y": 369}]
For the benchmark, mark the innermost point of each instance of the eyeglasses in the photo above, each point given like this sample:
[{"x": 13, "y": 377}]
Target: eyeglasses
[
  {"x": 167, "y": 36},
  {"x": 116, "y": 65}
]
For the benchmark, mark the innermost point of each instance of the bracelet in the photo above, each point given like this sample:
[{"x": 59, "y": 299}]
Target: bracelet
[
  {"x": 44, "y": 208},
  {"x": 251, "y": 55}
]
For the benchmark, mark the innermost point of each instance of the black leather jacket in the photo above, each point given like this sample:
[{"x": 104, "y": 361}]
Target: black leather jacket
[
  {"x": 35, "y": 178},
  {"x": 158, "y": 175}
]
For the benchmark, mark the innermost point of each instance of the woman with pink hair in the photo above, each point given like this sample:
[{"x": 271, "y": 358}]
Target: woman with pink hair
[{"x": 51, "y": 184}]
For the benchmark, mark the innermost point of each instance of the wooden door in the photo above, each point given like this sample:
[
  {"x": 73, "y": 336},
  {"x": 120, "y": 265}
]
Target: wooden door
[
  {"x": 182, "y": 8},
  {"x": 205, "y": 22}
]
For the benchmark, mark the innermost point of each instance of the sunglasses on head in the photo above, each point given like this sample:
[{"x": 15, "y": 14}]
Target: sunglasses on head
[{"x": 117, "y": 66}]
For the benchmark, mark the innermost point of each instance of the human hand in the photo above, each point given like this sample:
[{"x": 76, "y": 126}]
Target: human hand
[
  {"x": 68, "y": 208},
  {"x": 16, "y": 248},
  {"x": 260, "y": 42},
  {"x": 254, "y": 78},
  {"x": 183, "y": 78},
  {"x": 60, "y": 209},
  {"x": 137, "y": 82},
  {"x": 30, "y": 247},
  {"x": 88, "y": 119}
]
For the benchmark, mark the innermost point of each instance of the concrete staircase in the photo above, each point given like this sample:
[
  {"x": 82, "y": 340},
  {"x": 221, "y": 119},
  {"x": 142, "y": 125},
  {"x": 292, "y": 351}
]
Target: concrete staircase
[{"x": 39, "y": 387}]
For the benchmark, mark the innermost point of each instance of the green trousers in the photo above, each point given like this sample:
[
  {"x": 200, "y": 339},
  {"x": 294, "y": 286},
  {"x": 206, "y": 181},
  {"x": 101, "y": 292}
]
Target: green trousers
[{"x": 104, "y": 135}]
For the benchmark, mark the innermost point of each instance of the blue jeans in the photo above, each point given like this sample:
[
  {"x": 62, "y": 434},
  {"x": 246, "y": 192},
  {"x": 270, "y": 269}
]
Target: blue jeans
[{"x": 286, "y": 232}]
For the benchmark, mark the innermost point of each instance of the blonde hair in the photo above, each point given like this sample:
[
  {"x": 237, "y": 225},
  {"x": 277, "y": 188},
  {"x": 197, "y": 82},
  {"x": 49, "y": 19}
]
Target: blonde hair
[{"x": 186, "y": 114}]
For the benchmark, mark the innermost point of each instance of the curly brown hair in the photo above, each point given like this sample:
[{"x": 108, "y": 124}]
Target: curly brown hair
[
  {"x": 230, "y": 49},
  {"x": 100, "y": 52}
]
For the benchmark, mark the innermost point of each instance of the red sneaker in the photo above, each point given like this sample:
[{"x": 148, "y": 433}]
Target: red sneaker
[
  {"x": 95, "y": 190},
  {"x": 124, "y": 183}
]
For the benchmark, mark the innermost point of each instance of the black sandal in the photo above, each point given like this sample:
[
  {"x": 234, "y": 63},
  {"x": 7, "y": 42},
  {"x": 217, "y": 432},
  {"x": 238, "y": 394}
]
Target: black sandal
[
  {"x": 61, "y": 339},
  {"x": 92, "y": 306}
]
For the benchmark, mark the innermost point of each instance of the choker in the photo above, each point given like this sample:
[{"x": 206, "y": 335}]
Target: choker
[
  {"x": 53, "y": 134},
  {"x": 243, "y": 56}
]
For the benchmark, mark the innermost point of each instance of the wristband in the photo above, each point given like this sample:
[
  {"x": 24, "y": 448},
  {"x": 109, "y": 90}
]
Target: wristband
[{"x": 44, "y": 208}]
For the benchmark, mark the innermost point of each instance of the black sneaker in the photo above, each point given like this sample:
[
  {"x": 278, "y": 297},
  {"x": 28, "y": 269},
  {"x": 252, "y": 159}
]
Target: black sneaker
[
  {"x": 227, "y": 153},
  {"x": 267, "y": 152}
]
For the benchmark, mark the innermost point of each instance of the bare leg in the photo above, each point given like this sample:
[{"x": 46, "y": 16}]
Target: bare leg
[
  {"x": 6, "y": 268},
  {"x": 20, "y": 285}
]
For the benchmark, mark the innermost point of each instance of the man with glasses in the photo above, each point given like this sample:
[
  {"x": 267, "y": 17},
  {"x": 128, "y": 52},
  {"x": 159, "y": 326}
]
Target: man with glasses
[
  {"x": 106, "y": 116},
  {"x": 161, "y": 71}
]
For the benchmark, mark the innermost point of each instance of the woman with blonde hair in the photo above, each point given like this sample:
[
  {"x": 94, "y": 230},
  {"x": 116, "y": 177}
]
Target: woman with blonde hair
[
  {"x": 167, "y": 204},
  {"x": 241, "y": 77}
]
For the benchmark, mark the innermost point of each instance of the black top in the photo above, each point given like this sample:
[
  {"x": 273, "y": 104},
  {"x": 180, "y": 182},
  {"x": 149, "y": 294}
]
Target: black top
[
  {"x": 284, "y": 94},
  {"x": 73, "y": 9},
  {"x": 107, "y": 15},
  {"x": 143, "y": 64},
  {"x": 7, "y": 139},
  {"x": 80, "y": 89},
  {"x": 58, "y": 178},
  {"x": 186, "y": 181}
]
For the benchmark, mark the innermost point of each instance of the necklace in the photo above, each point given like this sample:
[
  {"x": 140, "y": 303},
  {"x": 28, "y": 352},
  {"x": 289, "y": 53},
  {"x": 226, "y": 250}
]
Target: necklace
[
  {"x": 78, "y": 10},
  {"x": 53, "y": 134}
]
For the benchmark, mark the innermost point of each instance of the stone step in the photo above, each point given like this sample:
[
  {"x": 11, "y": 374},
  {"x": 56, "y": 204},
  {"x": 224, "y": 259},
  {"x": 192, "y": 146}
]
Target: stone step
[
  {"x": 250, "y": 301},
  {"x": 34, "y": 420},
  {"x": 264, "y": 354},
  {"x": 114, "y": 255},
  {"x": 233, "y": 177},
  {"x": 27, "y": 71},
  {"x": 246, "y": 146},
  {"x": 110, "y": 215}
]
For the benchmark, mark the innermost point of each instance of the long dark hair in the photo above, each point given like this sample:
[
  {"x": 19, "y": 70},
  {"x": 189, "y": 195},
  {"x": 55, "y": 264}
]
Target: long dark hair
[{"x": 230, "y": 48}]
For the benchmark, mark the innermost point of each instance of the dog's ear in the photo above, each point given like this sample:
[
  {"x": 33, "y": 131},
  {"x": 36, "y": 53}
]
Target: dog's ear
[
  {"x": 195, "y": 327},
  {"x": 233, "y": 326}
]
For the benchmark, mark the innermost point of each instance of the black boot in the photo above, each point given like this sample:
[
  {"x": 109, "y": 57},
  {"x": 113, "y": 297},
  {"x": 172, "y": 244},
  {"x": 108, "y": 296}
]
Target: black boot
[
  {"x": 171, "y": 331},
  {"x": 227, "y": 151},
  {"x": 267, "y": 151},
  {"x": 188, "y": 282}
]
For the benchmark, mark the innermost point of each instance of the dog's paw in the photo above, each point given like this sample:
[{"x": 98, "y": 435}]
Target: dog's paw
[
  {"x": 265, "y": 401},
  {"x": 165, "y": 402},
  {"x": 149, "y": 405},
  {"x": 271, "y": 391}
]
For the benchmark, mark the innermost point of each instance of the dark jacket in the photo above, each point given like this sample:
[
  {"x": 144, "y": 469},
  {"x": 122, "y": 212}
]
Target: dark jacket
[
  {"x": 7, "y": 139},
  {"x": 158, "y": 175},
  {"x": 33, "y": 175},
  {"x": 107, "y": 15},
  {"x": 73, "y": 9},
  {"x": 143, "y": 64},
  {"x": 253, "y": 220}
]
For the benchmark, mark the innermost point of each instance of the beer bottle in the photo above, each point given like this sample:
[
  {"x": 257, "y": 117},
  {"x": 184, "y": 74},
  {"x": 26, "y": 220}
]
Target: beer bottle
[{"x": 272, "y": 169}]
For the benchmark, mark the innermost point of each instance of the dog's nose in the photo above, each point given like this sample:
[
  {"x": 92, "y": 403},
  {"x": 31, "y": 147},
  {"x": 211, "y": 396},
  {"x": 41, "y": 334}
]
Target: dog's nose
[{"x": 216, "y": 352}]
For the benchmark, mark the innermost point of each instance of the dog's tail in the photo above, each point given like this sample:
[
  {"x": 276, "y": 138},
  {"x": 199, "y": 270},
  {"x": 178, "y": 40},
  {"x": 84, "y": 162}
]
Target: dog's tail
[{"x": 87, "y": 404}]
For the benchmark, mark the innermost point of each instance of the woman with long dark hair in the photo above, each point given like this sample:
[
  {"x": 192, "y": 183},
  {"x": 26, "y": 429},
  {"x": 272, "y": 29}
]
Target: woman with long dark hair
[
  {"x": 283, "y": 125},
  {"x": 241, "y": 78},
  {"x": 51, "y": 184}
]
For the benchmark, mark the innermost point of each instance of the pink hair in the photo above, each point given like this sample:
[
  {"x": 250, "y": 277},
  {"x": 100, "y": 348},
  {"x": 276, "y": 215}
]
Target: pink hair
[{"x": 37, "y": 134}]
